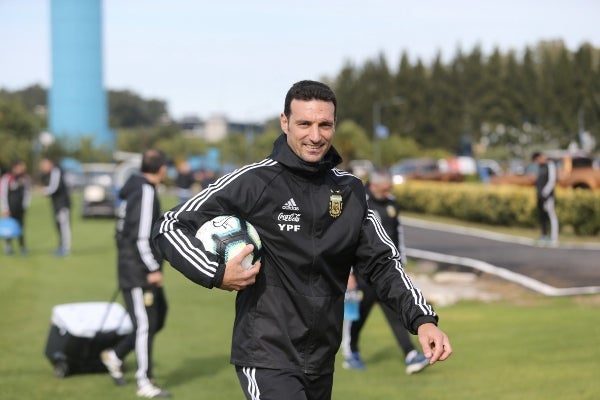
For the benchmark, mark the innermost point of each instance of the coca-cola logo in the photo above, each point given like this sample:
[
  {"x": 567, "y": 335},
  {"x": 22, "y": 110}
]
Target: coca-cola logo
[{"x": 293, "y": 217}]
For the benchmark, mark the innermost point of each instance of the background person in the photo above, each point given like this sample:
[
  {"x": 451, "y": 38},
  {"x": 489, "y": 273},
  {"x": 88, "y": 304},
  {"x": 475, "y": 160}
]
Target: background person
[
  {"x": 387, "y": 210},
  {"x": 544, "y": 185},
  {"x": 140, "y": 274},
  {"x": 314, "y": 225},
  {"x": 184, "y": 181},
  {"x": 56, "y": 188},
  {"x": 15, "y": 198}
]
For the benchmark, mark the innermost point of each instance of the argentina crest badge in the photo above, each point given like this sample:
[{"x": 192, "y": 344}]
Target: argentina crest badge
[
  {"x": 391, "y": 211},
  {"x": 335, "y": 204}
]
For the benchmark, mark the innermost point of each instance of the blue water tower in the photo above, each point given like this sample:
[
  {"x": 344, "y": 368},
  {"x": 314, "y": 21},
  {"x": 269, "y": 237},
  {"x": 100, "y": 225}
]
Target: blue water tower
[{"x": 78, "y": 105}]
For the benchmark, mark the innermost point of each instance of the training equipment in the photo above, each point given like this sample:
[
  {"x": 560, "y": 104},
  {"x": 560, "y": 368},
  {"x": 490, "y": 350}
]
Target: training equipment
[
  {"x": 9, "y": 228},
  {"x": 80, "y": 332},
  {"x": 227, "y": 235},
  {"x": 352, "y": 300}
]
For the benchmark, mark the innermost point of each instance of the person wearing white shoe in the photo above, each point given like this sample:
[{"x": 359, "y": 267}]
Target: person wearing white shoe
[
  {"x": 140, "y": 273},
  {"x": 545, "y": 184}
]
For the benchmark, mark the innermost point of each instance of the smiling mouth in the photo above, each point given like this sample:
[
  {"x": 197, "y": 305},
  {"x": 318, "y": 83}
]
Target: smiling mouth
[{"x": 313, "y": 146}]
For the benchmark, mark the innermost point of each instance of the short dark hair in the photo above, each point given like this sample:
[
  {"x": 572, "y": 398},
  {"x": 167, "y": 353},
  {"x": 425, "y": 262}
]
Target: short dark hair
[
  {"x": 535, "y": 155},
  {"x": 16, "y": 162},
  {"x": 50, "y": 159},
  {"x": 379, "y": 176},
  {"x": 153, "y": 160},
  {"x": 309, "y": 90}
]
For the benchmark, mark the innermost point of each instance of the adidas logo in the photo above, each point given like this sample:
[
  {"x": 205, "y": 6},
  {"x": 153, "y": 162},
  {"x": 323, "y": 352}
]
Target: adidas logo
[{"x": 290, "y": 205}]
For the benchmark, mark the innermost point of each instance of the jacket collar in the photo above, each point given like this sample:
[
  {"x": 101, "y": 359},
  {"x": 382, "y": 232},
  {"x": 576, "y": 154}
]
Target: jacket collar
[{"x": 284, "y": 155}]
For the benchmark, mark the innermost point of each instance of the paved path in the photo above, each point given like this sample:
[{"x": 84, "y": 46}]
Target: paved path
[{"x": 562, "y": 270}]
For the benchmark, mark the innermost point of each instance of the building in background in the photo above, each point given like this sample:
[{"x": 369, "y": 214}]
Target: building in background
[
  {"x": 217, "y": 127},
  {"x": 78, "y": 105}
]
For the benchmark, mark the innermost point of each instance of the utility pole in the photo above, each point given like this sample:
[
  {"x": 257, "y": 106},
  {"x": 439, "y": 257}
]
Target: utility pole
[{"x": 380, "y": 131}]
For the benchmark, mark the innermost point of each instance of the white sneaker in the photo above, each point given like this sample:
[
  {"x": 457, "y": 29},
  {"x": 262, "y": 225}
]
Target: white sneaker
[
  {"x": 150, "y": 391},
  {"x": 113, "y": 365}
]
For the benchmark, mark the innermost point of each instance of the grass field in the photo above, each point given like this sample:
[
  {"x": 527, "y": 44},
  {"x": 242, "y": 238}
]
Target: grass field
[{"x": 541, "y": 348}]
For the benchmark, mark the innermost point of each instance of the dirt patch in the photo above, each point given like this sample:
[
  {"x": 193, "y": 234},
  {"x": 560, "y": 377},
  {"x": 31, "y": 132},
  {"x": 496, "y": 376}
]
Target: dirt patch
[
  {"x": 446, "y": 287},
  {"x": 591, "y": 300}
]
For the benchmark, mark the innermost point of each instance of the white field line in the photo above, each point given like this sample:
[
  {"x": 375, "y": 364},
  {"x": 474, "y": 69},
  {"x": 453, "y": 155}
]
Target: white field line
[
  {"x": 503, "y": 273},
  {"x": 501, "y": 237}
]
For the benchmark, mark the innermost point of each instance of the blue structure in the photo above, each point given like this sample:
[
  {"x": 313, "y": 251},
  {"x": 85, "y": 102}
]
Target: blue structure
[{"x": 78, "y": 105}]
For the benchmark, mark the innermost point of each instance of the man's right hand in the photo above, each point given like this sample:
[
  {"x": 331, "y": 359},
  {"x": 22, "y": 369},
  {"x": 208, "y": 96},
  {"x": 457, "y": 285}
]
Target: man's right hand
[
  {"x": 155, "y": 278},
  {"x": 235, "y": 276}
]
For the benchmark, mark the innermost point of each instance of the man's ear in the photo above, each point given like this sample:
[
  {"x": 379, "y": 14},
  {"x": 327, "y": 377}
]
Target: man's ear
[{"x": 283, "y": 122}]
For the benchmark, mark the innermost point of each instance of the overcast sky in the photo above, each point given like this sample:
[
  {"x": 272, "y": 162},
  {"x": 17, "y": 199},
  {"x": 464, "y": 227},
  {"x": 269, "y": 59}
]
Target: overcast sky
[{"x": 238, "y": 58}]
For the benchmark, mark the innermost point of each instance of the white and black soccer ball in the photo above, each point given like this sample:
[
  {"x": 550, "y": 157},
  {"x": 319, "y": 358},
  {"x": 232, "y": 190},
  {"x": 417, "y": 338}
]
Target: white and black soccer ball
[{"x": 227, "y": 235}]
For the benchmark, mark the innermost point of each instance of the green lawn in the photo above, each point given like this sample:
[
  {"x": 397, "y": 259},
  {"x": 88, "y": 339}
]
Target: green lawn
[{"x": 541, "y": 348}]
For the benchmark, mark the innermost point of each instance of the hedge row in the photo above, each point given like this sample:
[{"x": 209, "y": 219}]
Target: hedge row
[{"x": 577, "y": 210}]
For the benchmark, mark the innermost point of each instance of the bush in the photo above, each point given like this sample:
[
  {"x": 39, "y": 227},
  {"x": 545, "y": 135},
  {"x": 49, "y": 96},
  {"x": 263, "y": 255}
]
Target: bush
[
  {"x": 580, "y": 209},
  {"x": 500, "y": 205}
]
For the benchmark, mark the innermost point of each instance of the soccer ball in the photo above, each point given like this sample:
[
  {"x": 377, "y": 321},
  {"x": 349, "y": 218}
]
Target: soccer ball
[{"x": 227, "y": 235}]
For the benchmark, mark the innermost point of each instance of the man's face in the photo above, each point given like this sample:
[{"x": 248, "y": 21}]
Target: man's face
[
  {"x": 310, "y": 128},
  {"x": 381, "y": 190},
  {"x": 45, "y": 166},
  {"x": 19, "y": 169}
]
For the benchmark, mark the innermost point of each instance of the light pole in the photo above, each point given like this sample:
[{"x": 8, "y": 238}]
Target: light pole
[{"x": 381, "y": 131}]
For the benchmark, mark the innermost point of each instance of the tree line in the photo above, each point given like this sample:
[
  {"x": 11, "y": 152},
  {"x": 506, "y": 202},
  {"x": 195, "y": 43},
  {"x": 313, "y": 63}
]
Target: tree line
[
  {"x": 504, "y": 102},
  {"x": 543, "y": 96}
]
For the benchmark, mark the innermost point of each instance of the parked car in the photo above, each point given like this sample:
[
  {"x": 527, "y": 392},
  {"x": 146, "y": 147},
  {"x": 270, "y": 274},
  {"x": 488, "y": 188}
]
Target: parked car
[
  {"x": 577, "y": 170},
  {"x": 73, "y": 171},
  {"x": 99, "y": 193},
  {"x": 422, "y": 169},
  {"x": 488, "y": 168},
  {"x": 580, "y": 171}
]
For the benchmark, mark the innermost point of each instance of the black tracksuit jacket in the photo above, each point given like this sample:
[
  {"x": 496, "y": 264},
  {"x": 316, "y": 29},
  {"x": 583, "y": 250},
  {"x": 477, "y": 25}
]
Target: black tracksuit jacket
[
  {"x": 546, "y": 181},
  {"x": 138, "y": 211},
  {"x": 314, "y": 225},
  {"x": 57, "y": 189},
  {"x": 388, "y": 211}
]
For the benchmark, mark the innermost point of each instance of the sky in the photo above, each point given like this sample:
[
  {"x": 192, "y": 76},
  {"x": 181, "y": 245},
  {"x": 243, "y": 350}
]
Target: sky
[{"x": 238, "y": 58}]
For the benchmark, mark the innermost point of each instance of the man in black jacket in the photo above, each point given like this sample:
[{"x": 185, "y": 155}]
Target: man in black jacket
[
  {"x": 140, "y": 273},
  {"x": 544, "y": 184},
  {"x": 56, "y": 187},
  {"x": 314, "y": 225},
  {"x": 386, "y": 208},
  {"x": 15, "y": 197}
]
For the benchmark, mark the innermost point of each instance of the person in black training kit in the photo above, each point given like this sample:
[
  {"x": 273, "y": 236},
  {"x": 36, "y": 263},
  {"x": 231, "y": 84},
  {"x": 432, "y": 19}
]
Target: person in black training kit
[
  {"x": 15, "y": 197},
  {"x": 544, "y": 184},
  {"x": 387, "y": 210},
  {"x": 314, "y": 225},
  {"x": 184, "y": 181},
  {"x": 140, "y": 273},
  {"x": 56, "y": 187}
]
